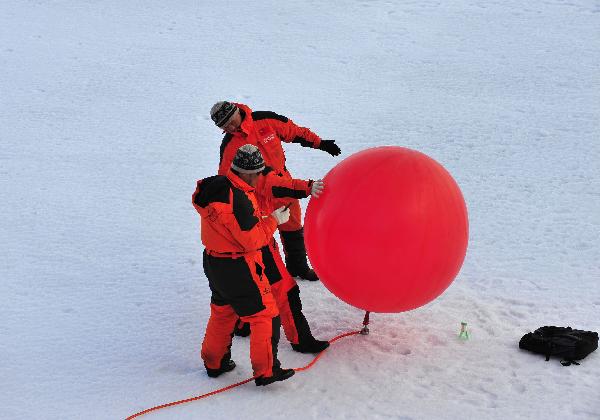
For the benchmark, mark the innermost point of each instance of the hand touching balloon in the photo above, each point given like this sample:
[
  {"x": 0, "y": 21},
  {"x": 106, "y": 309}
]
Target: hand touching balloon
[{"x": 317, "y": 188}]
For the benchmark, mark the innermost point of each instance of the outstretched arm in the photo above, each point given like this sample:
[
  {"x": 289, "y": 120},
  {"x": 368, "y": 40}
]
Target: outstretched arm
[
  {"x": 279, "y": 186},
  {"x": 292, "y": 133}
]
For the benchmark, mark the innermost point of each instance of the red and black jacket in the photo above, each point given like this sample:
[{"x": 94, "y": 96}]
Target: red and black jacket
[
  {"x": 265, "y": 130},
  {"x": 231, "y": 218},
  {"x": 274, "y": 190}
]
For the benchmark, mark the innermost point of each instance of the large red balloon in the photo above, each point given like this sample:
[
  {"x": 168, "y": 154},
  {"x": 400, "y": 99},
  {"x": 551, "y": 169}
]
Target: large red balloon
[{"x": 390, "y": 231}]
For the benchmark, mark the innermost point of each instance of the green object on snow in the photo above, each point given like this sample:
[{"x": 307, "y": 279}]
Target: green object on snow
[{"x": 464, "y": 333}]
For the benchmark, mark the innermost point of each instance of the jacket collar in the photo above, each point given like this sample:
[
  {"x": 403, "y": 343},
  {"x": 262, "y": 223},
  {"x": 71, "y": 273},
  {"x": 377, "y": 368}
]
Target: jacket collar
[
  {"x": 247, "y": 121},
  {"x": 238, "y": 182}
]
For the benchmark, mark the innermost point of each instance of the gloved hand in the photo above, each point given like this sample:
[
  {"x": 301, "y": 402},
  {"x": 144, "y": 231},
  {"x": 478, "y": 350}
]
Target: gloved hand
[
  {"x": 317, "y": 188},
  {"x": 330, "y": 147},
  {"x": 282, "y": 215}
]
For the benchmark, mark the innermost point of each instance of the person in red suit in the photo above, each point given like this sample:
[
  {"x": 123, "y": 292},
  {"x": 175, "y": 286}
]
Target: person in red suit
[
  {"x": 267, "y": 130},
  {"x": 273, "y": 191},
  {"x": 234, "y": 231}
]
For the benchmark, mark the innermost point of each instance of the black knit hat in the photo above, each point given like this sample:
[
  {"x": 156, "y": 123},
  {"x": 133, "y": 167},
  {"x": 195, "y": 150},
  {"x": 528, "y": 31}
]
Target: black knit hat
[
  {"x": 221, "y": 112},
  {"x": 248, "y": 160}
]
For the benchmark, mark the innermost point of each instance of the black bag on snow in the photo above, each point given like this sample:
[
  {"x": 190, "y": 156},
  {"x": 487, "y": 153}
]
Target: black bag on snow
[{"x": 563, "y": 342}]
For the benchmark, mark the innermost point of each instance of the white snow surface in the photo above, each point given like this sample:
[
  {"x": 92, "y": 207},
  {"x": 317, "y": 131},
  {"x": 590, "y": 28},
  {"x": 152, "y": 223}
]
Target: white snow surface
[{"x": 105, "y": 130}]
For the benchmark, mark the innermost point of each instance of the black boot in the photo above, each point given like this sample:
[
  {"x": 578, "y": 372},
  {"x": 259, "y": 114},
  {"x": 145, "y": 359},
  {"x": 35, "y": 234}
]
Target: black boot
[
  {"x": 314, "y": 346},
  {"x": 306, "y": 342},
  {"x": 278, "y": 375},
  {"x": 226, "y": 366},
  {"x": 310, "y": 275},
  {"x": 295, "y": 255}
]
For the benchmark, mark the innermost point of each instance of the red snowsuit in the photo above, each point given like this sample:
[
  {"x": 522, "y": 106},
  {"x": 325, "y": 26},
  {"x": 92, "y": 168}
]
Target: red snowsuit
[
  {"x": 266, "y": 130},
  {"x": 272, "y": 191},
  {"x": 233, "y": 232}
]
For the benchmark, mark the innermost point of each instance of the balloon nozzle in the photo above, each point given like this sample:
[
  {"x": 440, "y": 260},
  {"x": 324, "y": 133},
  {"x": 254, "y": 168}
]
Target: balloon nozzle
[{"x": 365, "y": 328}]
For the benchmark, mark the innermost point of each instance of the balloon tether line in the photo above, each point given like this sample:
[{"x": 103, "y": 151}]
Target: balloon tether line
[{"x": 363, "y": 331}]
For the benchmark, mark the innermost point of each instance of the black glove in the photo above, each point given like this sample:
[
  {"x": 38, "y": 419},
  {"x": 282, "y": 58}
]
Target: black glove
[{"x": 330, "y": 147}]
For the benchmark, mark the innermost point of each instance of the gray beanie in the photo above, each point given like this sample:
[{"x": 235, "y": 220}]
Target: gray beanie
[
  {"x": 248, "y": 160},
  {"x": 221, "y": 112}
]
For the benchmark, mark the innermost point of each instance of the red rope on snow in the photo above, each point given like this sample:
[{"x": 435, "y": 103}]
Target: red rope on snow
[
  {"x": 245, "y": 381},
  {"x": 208, "y": 394},
  {"x": 300, "y": 369}
]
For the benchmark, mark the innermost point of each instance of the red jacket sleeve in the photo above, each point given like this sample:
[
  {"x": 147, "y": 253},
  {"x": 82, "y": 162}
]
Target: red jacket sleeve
[
  {"x": 283, "y": 187},
  {"x": 248, "y": 227},
  {"x": 291, "y": 133},
  {"x": 257, "y": 236}
]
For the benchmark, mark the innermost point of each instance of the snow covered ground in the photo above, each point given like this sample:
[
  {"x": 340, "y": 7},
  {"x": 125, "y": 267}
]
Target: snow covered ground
[{"x": 105, "y": 130}]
